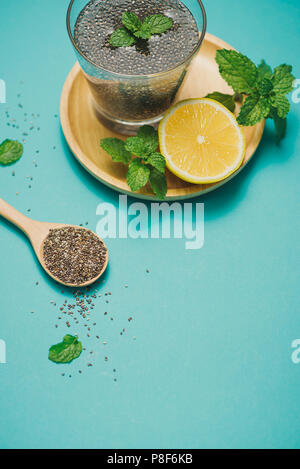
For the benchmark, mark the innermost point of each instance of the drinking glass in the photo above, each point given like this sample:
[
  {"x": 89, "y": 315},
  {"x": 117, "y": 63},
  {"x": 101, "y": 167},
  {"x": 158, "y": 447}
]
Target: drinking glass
[{"x": 125, "y": 102}]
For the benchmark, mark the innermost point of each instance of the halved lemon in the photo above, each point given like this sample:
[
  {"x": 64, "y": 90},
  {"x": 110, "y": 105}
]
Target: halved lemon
[{"x": 201, "y": 141}]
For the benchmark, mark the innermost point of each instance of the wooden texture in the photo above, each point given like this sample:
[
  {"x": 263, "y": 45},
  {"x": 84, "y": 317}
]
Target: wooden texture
[
  {"x": 37, "y": 232},
  {"x": 83, "y": 130}
]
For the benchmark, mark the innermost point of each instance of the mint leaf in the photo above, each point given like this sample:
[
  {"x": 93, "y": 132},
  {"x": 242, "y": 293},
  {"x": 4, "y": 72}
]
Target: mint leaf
[
  {"x": 137, "y": 175},
  {"x": 131, "y": 21},
  {"x": 280, "y": 125},
  {"x": 264, "y": 70},
  {"x": 121, "y": 38},
  {"x": 237, "y": 70},
  {"x": 158, "y": 24},
  {"x": 254, "y": 109},
  {"x": 264, "y": 86},
  {"x": 116, "y": 149},
  {"x": 283, "y": 79},
  {"x": 66, "y": 351},
  {"x": 144, "y": 32},
  {"x": 10, "y": 151},
  {"x": 281, "y": 103},
  {"x": 226, "y": 99},
  {"x": 150, "y": 136},
  {"x": 158, "y": 183},
  {"x": 158, "y": 161},
  {"x": 153, "y": 24},
  {"x": 137, "y": 146}
]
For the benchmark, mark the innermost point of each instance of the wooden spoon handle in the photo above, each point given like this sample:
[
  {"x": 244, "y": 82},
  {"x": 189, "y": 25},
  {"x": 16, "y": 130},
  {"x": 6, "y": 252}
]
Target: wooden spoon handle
[{"x": 15, "y": 217}]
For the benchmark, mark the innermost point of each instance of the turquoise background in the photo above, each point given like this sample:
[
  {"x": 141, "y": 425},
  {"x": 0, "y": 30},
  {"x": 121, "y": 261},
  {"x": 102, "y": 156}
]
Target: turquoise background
[{"x": 211, "y": 363}]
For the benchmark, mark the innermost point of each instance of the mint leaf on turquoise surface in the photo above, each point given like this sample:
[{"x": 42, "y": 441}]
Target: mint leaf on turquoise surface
[
  {"x": 150, "y": 137},
  {"x": 158, "y": 183},
  {"x": 237, "y": 70},
  {"x": 158, "y": 24},
  {"x": 254, "y": 109},
  {"x": 226, "y": 99},
  {"x": 121, "y": 38},
  {"x": 66, "y": 351},
  {"x": 264, "y": 70},
  {"x": 137, "y": 175},
  {"x": 131, "y": 21},
  {"x": 10, "y": 151},
  {"x": 157, "y": 160},
  {"x": 283, "y": 79},
  {"x": 282, "y": 104},
  {"x": 116, "y": 149}
]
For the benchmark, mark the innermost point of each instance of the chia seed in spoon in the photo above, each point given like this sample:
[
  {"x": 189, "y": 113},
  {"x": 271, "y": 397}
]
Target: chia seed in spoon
[{"x": 74, "y": 255}]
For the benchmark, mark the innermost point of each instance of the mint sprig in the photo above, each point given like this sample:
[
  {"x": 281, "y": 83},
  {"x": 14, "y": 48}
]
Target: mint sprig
[
  {"x": 264, "y": 90},
  {"x": 10, "y": 151},
  {"x": 134, "y": 29},
  {"x": 145, "y": 163},
  {"x": 66, "y": 351}
]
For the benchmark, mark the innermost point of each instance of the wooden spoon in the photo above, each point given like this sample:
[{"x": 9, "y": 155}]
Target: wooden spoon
[{"x": 37, "y": 232}]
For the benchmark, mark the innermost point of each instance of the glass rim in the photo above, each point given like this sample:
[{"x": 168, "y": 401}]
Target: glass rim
[{"x": 148, "y": 75}]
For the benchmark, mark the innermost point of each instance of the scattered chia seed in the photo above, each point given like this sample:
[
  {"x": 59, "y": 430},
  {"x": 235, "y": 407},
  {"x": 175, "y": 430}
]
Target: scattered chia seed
[{"x": 74, "y": 255}]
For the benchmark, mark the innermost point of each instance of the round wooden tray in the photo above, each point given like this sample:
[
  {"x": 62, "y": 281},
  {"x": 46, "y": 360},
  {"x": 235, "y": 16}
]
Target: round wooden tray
[{"x": 83, "y": 130}]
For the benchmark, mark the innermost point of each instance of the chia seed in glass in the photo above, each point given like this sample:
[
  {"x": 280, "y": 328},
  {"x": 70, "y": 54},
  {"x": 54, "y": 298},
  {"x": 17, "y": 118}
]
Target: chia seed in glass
[{"x": 135, "y": 85}]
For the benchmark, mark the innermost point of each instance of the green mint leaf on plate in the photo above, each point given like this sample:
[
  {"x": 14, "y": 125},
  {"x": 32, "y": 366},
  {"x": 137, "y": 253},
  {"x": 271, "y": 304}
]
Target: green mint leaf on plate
[
  {"x": 237, "y": 70},
  {"x": 144, "y": 32},
  {"x": 264, "y": 86},
  {"x": 254, "y": 109},
  {"x": 116, "y": 149},
  {"x": 158, "y": 183},
  {"x": 283, "y": 79},
  {"x": 131, "y": 21},
  {"x": 10, "y": 151},
  {"x": 150, "y": 137},
  {"x": 121, "y": 38},
  {"x": 66, "y": 351},
  {"x": 264, "y": 70},
  {"x": 137, "y": 175},
  {"x": 280, "y": 125},
  {"x": 282, "y": 104},
  {"x": 158, "y": 24},
  {"x": 137, "y": 146},
  {"x": 226, "y": 99},
  {"x": 158, "y": 161}
]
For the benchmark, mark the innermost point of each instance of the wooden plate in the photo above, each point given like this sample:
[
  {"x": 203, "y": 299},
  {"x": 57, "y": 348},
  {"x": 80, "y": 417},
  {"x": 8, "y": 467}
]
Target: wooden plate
[{"x": 83, "y": 131}]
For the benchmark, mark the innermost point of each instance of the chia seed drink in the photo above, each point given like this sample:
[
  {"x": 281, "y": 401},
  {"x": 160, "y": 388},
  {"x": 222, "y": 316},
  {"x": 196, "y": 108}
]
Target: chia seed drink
[{"x": 135, "y": 85}]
